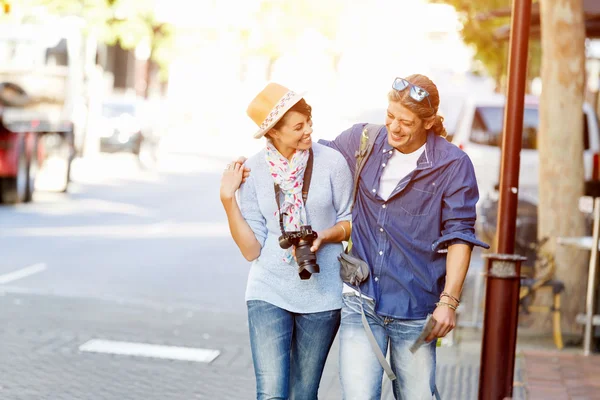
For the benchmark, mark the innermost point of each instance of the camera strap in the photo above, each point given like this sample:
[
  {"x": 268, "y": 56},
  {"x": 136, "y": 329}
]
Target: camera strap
[{"x": 305, "y": 187}]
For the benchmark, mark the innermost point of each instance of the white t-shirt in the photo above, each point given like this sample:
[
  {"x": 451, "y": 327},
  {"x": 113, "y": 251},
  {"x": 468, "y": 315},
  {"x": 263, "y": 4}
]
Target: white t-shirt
[{"x": 397, "y": 167}]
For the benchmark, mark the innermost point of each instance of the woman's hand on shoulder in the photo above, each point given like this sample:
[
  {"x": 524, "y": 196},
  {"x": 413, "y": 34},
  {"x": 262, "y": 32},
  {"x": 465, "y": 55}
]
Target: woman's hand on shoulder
[
  {"x": 246, "y": 170},
  {"x": 231, "y": 180}
]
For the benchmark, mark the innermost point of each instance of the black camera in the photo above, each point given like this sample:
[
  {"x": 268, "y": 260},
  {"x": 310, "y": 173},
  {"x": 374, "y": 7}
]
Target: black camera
[{"x": 303, "y": 240}]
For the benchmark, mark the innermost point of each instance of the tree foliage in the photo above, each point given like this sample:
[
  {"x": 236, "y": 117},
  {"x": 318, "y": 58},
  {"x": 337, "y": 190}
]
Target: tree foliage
[
  {"x": 276, "y": 24},
  {"x": 126, "y": 22},
  {"x": 478, "y": 32}
]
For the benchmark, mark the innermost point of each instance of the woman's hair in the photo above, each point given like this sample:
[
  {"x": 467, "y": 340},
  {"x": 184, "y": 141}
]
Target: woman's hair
[
  {"x": 301, "y": 106},
  {"x": 421, "y": 108}
]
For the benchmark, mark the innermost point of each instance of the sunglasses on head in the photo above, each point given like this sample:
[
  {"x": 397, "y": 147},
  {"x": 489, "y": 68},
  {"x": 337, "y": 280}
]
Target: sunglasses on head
[{"x": 417, "y": 93}]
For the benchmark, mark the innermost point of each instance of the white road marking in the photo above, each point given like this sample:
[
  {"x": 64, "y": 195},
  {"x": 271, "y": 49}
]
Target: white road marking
[
  {"x": 22, "y": 273},
  {"x": 160, "y": 230},
  {"x": 153, "y": 305},
  {"x": 48, "y": 203},
  {"x": 149, "y": 350}
]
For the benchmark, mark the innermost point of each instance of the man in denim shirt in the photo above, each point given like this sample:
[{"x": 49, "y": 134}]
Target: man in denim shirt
[{"x": 416, "y": 198}]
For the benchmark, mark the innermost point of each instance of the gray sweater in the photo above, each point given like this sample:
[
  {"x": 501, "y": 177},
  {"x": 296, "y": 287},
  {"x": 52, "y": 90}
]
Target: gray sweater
[{"x": 273, "y": 280}]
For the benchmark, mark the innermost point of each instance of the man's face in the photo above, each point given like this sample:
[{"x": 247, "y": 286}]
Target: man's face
[{"x": 406, "y": 131}]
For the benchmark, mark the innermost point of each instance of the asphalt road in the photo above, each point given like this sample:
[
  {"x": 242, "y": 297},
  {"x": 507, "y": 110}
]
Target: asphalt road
[{"x": 128, "y": 255}]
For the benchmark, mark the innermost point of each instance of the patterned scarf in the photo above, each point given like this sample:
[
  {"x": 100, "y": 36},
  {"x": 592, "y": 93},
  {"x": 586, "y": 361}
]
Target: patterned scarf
[{"x": 289, "y": 175}]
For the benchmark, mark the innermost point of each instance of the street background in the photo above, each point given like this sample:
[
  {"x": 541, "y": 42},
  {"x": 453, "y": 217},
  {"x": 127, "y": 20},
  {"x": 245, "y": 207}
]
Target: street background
[{"x": 121, "y": 281}]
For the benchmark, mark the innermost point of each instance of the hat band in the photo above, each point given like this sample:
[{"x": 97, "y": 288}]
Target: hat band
[{"x": 275, "y": 111}]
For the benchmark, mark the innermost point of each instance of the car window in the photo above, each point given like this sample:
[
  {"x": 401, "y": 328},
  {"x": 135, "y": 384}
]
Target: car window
[
  {"x": 488, "y": 124},
  {"x": 114, "y": 110}
]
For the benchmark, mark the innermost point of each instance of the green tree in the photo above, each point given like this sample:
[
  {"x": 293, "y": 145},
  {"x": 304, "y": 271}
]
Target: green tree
[
  {"x": 478, "y": 27},
  {"x": 126, "y": 22},
  {"x": 139, "y": 25},
  {"x": 277, "y": 23},
  {"x": 561, "y": 145},
  {"x": 561, "y": 66}
]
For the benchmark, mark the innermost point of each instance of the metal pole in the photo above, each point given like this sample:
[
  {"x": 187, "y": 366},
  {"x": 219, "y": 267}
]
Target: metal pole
[
  {"x": 589, "y": 300},
  {"x": 502, "y": 293}
]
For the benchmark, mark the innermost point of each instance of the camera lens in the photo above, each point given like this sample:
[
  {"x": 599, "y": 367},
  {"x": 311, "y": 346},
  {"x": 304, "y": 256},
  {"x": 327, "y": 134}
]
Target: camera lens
[{"x": 307, "y": 260}]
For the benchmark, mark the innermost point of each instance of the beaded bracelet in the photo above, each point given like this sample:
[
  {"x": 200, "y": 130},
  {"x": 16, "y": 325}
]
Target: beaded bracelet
[
  {"x": 446, "y": 294},
  {"x": 441, "y": 303}
]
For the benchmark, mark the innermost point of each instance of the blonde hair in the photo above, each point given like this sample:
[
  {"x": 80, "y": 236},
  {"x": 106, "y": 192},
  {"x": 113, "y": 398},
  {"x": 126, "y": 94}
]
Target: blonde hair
[{"x": 421, "y": 108}]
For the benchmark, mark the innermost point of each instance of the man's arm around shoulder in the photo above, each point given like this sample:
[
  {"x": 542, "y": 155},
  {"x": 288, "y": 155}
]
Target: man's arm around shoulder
[{"x": 346, "y": 143}]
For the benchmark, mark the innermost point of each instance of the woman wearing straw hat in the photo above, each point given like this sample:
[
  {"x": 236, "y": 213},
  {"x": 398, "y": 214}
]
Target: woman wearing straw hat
[{"x": 293, "y": 312}]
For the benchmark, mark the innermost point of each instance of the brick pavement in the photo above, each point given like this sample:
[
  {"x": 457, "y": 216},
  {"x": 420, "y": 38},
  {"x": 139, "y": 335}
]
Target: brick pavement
[
  {"x": 39, "y": 357},
  {"x": 564, "y": 375}
]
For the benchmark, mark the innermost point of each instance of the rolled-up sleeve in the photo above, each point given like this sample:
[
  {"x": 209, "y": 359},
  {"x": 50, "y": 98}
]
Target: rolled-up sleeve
[
  {"x": 459, "y": 207},
  {"x": 251, "y": 211},
  {"x": 341, "y": 185}
]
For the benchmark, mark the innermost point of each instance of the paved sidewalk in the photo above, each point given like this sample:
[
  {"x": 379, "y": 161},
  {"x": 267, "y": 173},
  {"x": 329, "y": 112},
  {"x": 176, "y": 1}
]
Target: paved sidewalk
[
  {"x": 41, "y": 335},
  {"x": 457, "y": 374},
  {"x": 562, "y": 375}
]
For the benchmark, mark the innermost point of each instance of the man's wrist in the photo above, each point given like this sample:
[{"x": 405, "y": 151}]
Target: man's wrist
[
  {"x": 447, "y": 296},
  {"x": 442, "y": 303}
]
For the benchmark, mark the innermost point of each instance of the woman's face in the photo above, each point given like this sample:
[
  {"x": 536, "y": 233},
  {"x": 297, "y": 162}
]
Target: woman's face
[{"x": 294, "y": 133}]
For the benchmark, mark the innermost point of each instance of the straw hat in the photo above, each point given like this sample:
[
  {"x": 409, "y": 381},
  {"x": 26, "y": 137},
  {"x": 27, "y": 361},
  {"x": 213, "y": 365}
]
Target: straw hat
[{"x": 270, "y": 105}]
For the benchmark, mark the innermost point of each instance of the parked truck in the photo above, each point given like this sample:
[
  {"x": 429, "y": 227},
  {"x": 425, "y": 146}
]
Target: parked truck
[{"x": 42, "y": 105}]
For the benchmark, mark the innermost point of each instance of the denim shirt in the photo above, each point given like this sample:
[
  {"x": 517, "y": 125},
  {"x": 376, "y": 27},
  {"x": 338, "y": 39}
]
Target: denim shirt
[{"x": 403, "y": 238}]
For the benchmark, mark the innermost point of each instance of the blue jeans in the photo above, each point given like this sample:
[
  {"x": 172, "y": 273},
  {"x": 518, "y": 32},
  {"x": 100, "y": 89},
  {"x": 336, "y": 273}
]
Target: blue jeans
[
  {"x": 289, "y": 350},
  {"x": 360, "y": 371}
]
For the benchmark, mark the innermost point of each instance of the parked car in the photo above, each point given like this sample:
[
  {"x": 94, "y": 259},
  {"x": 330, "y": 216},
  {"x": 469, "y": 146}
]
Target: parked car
[
  {"x": 129, "y": 125},
  {"x": 121, "y": 128},
  {"x": 479, "y": 134}
]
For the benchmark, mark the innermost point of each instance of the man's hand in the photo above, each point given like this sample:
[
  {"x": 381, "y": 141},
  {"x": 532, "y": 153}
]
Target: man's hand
[
  {"x": 246, "y": 170},
  {"x": 445, "y": 318}
]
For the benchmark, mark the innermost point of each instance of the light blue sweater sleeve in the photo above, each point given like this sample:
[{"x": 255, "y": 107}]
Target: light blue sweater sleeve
[
  {"x": 250, "y": 209},
  {"x": 341, "y": 185}
]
